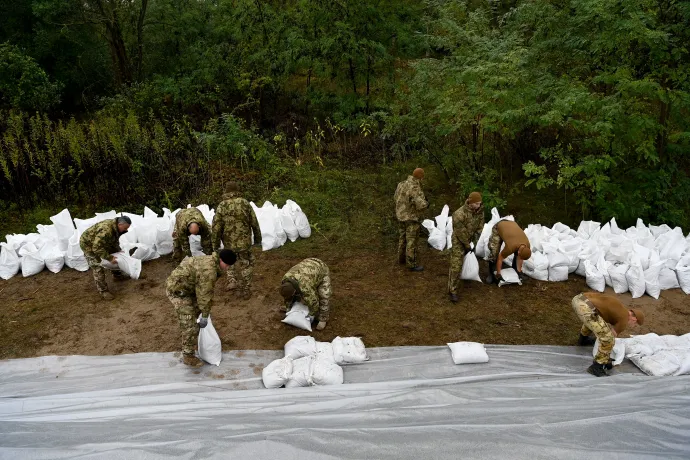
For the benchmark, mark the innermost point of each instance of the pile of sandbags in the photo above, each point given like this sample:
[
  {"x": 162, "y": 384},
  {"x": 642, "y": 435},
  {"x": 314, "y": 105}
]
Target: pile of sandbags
[
  {"x": 149, "y": 236},
  {"x": 308, "y": 362}
]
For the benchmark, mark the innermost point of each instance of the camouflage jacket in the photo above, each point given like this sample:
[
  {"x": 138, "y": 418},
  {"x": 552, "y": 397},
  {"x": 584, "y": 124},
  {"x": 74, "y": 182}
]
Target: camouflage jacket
[
  {"x": 467, "y": 226},
  {"x": 306, "y": 277},
  {"x": 234, "y": 223},
  {"x": 182, "y": 221},
  {"x": 409, "y": 200},
  {"x": 101, "y": 239},
  {"x": 195, "y": 277}
]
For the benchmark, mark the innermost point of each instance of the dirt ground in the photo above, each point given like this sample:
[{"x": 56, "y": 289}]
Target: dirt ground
[{"x": 373, "y": 298}]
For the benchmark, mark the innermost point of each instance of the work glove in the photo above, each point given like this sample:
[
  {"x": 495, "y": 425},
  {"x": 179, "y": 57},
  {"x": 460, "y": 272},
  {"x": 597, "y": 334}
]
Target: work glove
[
  {"x": 203, "y": 321},
  {"x": 499, "y": 278},
  {"x": 521, "y": 277},
  {"x": 608, "y": 366}
]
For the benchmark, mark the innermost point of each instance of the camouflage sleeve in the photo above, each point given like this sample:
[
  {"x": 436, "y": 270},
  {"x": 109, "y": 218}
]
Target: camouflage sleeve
[
  {"x": 310, "y": 298},
  {"x": 255, "y": 226},
  {"x": 460, "y": 231},
  {"x": 183, "y": 238},
  {"x": 217, "y": 229},
  {"x": 101, "y": 246},
  {"x": 206, "y": 281},
  {"x": 205, "y": 234},
  {"x": 418, "y": 199}
]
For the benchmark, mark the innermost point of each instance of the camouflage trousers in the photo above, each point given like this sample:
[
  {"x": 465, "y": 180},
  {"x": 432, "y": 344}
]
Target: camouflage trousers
[
  {"x": 241, "y": 273},
  {"x": 324, "y": 291},
  {"x": 187, "y": 312},
  {"x": 592, "y": 322},
  {"x": 457, "y": 258},
  {"x": 408, "y": 232},
  {"x": 494, "y": 245},
  {"x": 99, "y": 272}
]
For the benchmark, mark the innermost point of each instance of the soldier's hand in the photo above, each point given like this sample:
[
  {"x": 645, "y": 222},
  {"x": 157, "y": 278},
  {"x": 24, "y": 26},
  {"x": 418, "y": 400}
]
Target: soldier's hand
[
  {"x": 113, "y": 260},
  {"x": 468, "y": 250},
  {"x": 203, "y": 321},
  {"x": 499, "y": 278}
]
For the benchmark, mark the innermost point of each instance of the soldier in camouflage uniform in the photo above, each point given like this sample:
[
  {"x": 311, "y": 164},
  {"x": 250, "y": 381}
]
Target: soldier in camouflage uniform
[
  {"x": 309, "y": 282},
  {"x": 190, "y": 221},
  {"x": 410, "y": 204},
  {"x": 98, "y": 243},
  {"x": 468, "y": 222},
  {"x": 233, "y": 224},
  {"x": 190, "y": 289}
]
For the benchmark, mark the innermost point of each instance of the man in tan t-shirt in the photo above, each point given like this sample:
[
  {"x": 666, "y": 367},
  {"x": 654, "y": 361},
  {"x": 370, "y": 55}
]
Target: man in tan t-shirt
[
  {"x": 606, "y": 317},
  {"x": 516, "y": 243}
]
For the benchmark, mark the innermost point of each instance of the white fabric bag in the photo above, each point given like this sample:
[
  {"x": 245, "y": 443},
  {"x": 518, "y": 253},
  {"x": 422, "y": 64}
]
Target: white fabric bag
[
  {"x": 280, "y": 232},
  {"x": 509, "y": 276},
  {"x": 325, "y": 372},
  {"x": 32, "y": 262},
  {"x": 470, "y": 268},
  {"x": 302, "y": 370},
  {"x": 482, "y": 244},
  {"x": 9, "y": 261},
  {"x": 324, "y": 350},
  {"x": 210, "y": 349},
  {"x": 635, "y": 278},
  {"x": 74, "y": 257},
  {"x": 595, "y": 279},
  {"x": 668, "y": 279},
  {"x": 269, "y": 238},
  {"x": 195, "y": 246},
  {"x": 128, "y": 265},
  {"x": 571, "y": 250},
  {"x": 53, "y": 258},
  {"x": 64, "y": 227},
  {"x": 468, "y": 353},
  {"x": 618, "y": 352},
  {"x": 651, "y": 279},
  {"x": 145, "y": 252},
  {"x": 537, "y": 266},
  {"x": 587, "y": 228},
  {"x": 683, "y": 273},
  {"x": 298, "y": 316},
  {"x": 164, "y": 239},
  {"x": 277, "y": 373},
  {"x": 618, "y": 279},
  {"x": 558, "y": 266},
  {"x": 288, "y": 224},
  {"x": 300, "y": 346},
  {"x": 349, "y": 350},
  {"x": 449, "y": 233}
]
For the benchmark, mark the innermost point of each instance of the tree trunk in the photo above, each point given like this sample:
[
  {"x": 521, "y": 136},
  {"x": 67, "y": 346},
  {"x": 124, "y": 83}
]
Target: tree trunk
[
  {"x": 352, "y": 75},
  {"x": 140, "y": 37}
]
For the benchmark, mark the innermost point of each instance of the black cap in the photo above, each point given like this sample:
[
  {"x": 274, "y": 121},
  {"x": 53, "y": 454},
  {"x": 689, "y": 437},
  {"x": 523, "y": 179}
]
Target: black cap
[{"x": 227, "y": 256}]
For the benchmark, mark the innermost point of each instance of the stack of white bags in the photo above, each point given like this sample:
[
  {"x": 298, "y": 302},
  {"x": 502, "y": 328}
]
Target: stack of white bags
[
  {"x": 641, "y": 259},
  {"x": 57, "y": 245},
  {"x": 308, "y": 362}
]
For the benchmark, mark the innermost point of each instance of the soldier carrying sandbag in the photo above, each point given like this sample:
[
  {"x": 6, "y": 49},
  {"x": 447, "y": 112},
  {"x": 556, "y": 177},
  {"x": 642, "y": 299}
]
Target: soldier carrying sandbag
[{"x": 99, "y": 242}]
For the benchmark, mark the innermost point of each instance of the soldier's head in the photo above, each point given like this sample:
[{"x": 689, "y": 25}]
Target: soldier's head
[
  {"x": 227, "y": 258},
  {"x": 418, "y": 174},
  {"x": 193, "y": 228},
  {"x": 123, "y": 223},
  {"x": 524, "y": 252},
  {"x": 474, "y": 201},
  {"x": 287, "y": 290},
  {"x": 635, "y": 316}
]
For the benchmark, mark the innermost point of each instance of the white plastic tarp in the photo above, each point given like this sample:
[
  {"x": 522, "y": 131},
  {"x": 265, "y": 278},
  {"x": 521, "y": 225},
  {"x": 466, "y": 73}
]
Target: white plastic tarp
[{"x": 527, "y": 402}]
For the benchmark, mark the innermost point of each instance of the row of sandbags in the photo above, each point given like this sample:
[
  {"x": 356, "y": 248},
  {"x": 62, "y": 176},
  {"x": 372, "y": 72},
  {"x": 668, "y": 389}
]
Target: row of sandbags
[
  {"x": 308, "y": 362},
  {"x": 641, "y": 259},
  {"x": 57, "y": 245}
]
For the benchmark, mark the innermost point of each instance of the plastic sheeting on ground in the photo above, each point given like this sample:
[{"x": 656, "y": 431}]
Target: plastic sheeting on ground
[{"x": 528, "y": 402}]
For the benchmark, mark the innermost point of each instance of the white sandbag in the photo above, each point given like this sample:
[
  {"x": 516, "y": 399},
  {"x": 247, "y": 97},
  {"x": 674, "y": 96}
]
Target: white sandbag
[
  {"x": 589, "y": 252},
  {"x": 324, "y": 350},
  {"x": 298, "y": 316},
  {"x": 164, "y": 239},
  {"x": 470, "y": 268},
  {"x": 210, "y": 349},
  {"x": 587, "y": 228},
  {"x": 618, "y": 352},
  {"x": 277, "y": 373},
  {"x": 671, "y": 245},
  {"x": 619, "y": 281},
  {"x": 85, "y": 224},
  {"x": 437, "y": 239},
  {"x": 126, "y": 264},
  {"x": 661, "y": 364},
  {"x": 571, "y": 250},
  {"x": 37, "y": 240},
  {"x": 147, "y": 231},
  {"x": 195, "y": 245},
  {"x": 537, "y": 266},
  {"x": 48, "y": 232},
  {"x": 449, "y": 233},
  {"x": 635, "y": 278},
  {"x": 53, "y": 258},
  {"x": 615, "y": 230},
  {"x": 101, "y": 216},
  {"x": 509, "y": 276},
  {"x": 302, "y": 370},
  {"x": 595, "y": 279},
  {"x": 349, "y": 350},
  {"x": 651, "y": 279},
  {"x": 660, "y": 230},
  {"x": 74, "y": 257},
  {"x": 9, "y": 261},
  {"x": 683, "y": 273},
  {"x": 644, "y": 345},
  {"x": 15, "y": 241},
  {"x": 63, "y": 225},
  {"x": 280, "y": 232},
  {"x": 300, "y": 346},
  {"x": 558, "y": 266},
  {"x": 325, "y": 372},
  {"x": 145, "y": 252},
  {"x": 288, "y": 224},
  {"x": 560, "y": 228},
  {"x": 302, "y": 224},
  {"x": 269, "y": 239},
  {"x": 483, "y": 242},
  {"x": 643, "y": 254},
  {"x": 32, "y": 262},
  {"x": 668, "y": 279},
  {"x": 149, "y": 214},
  {"x": 603, "y": 268},
  {"x": 468, "y": 353}
]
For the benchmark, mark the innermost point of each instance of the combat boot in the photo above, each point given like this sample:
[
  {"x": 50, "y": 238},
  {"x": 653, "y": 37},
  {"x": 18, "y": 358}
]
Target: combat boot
[
  {"x": 418, "y": 268},
  {"x": 491, "y": 279},
  {"x": 192, "y": 361},
  {"x": 453, "y": 297},
  {"x": 106, "y": 295},
  {"x": 120, "y": 276},
  {"x": 585, "y": 340},
  {"x": 597, "y": 370}
]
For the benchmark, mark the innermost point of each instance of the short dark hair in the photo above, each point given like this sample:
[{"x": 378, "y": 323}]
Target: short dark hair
[
  {"x": 123, "y": 220},
  {"x": 227, "y": 256}
]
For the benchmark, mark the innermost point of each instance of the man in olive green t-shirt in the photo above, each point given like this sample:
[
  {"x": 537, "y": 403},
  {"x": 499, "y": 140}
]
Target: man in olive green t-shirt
[{"x": 606, "y": 317}]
